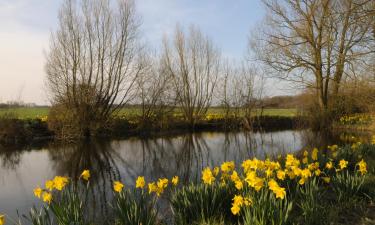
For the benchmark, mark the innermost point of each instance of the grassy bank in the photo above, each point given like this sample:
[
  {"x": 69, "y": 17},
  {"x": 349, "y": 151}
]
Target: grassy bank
[
  {"x": 39, "y": 112},
  {"x": 332, "y": 185},
  {"x": 24, "y": 125}
]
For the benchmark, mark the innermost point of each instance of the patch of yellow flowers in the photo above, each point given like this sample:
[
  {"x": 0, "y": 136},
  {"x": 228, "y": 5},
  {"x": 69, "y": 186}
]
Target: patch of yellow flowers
[
  {"x": 157, "y": 187},
  {"x": 58, "y": 183},
  {"x": 259, "y": 174}
]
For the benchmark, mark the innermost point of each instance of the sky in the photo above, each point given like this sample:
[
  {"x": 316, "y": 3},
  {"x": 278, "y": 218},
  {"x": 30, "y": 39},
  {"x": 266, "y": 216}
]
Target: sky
[{"x": 26, "y": 26}]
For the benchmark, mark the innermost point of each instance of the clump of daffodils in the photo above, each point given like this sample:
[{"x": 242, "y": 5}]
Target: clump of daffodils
[{"x": 269, "y": 176}]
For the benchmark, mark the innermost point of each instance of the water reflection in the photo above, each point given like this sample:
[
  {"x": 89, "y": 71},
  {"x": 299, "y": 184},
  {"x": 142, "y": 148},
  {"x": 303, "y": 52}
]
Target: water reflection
[{"x": 184, "y": 155}]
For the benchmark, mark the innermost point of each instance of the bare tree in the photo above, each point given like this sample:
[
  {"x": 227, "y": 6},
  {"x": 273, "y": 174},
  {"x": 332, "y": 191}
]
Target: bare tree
[
  {"x": 193, "y": 64},
  {"x": 153, "y": 91},
  {"x": 316, "y": 43},
  {"x": 92, "y": 62},
  {"x": 242, "y": 91}
]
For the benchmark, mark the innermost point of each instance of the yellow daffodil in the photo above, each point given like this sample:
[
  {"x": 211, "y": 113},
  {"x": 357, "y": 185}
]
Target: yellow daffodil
[
  {"x": 140, "y": 182},
  {"x": 38, "y": 192},
  {"x": 238, "y": 200},
  {"x": 227, "y": 167},
  {"x": 272, "y": 184},
  {"x": 362, "y": 167},
  {"x": 317, "y": 172},
  {"x": 269, "y": 173},
  {"x": 49, "y": 185},
  {"x": 47, "y": 197},
  {"x": 305, "y": 173},
  {"x": 117, "y": 186},
  {"x": 2, "y": 219},
  {"x": 175, "y": 180},
  {"x": 343, "y": 164},
  {"x": 152, "y": 187},
  {"x": 280, "y": 175},
  {"x": 238, "y": 184},
  {"x": 234, "y": 177},
  {"x": 207, "y": 176},
  {"x": 329, "y": 165},
  {"x": 314, "y": 154},
  {"x": 280, "y": 192},
  {"x": 163, "y": 183},
  {"x": 85, "y": 175},
  {"x": 235, "y": 209},
  {"x": 60, "y": 182}
]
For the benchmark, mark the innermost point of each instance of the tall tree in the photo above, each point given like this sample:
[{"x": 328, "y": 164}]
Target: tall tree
[
  {"x": 316, "y": 43},
  {"x": 192, "y": 62},
  {"x": 92, "y": 62}
]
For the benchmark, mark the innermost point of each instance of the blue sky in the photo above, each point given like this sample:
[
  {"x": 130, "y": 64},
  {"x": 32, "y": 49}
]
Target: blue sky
[{"x": 25, "y": 27}]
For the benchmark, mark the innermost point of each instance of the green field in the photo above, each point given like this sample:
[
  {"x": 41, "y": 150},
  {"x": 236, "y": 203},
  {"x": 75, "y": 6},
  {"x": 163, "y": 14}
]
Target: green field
[{"x": 35, "y": 112}]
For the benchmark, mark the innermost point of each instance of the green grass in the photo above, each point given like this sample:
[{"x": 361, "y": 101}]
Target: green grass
[
  {"x": 35, "y": 112},
  {"x": 27, "y": 112}
]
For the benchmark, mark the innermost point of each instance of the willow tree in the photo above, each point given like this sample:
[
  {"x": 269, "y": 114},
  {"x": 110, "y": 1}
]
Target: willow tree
[
  {"x": 92, "y": 61},
  {"x": 316, "y": 43},
  {"x": 192, "y": 62}
]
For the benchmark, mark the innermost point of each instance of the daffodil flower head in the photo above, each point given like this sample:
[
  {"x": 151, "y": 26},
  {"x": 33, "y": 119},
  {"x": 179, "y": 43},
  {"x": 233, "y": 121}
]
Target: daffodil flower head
[
  {"x": 118, "y": 186},
  {"x": 38, "y": 192},
  {"x": 2, "y": 219},
  {"x": 175, "y": 180},
  {"x": 140, "y": 182},
  {"x": 85, "y": 175},
  {"x": 47, "y": 197}
]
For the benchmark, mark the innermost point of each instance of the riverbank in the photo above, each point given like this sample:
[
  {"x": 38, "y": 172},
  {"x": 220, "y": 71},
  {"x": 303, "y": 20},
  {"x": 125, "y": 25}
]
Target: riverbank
[{"x": 14, "y": 131}]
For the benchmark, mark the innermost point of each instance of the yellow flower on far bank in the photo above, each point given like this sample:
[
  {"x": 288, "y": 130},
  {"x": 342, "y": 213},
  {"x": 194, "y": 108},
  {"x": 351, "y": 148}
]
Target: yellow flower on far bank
[
  {"x": 86, "y": 175},
  {"x": 140, "y": 182},
  {"x": 2, "y": 219},
  {"x": 175, "y": 180},
  {"x": 207, "y": 176},
  {"x": 47, "y": 197},
  {"x": 38, "y": 192},
  {"x": 117, "y": 186}
]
